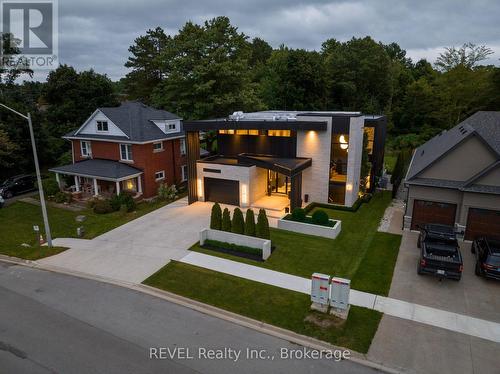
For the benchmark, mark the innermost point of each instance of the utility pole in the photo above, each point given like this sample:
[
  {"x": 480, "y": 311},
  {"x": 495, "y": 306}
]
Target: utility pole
[{"x": 38, "y": 176}]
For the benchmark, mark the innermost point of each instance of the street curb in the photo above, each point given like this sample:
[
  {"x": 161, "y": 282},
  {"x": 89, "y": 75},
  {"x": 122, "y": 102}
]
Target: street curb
[{"x": 215, "y": 312}]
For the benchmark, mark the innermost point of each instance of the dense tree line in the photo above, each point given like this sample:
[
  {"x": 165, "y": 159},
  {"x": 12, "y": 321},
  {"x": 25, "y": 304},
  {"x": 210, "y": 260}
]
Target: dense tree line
[{"x": 212, "y": 69}]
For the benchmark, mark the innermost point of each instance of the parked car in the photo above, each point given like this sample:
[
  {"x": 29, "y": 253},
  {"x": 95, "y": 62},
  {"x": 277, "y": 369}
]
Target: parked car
[
  {"x": 439, "y": 252},
  {"x": 487, "y": 253},
  {"x": 17, "y": 185}
]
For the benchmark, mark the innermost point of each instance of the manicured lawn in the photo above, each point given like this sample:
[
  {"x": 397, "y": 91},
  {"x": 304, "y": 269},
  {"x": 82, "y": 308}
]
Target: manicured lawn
[
  {"x": 273, "y": 305},
  {"x": 359, "y": 253},
  {"x": 18, "y": 220}
]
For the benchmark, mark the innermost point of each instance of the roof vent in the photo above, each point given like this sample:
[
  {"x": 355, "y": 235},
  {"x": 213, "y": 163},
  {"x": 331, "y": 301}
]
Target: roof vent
[{"x": 462, "y": 130}]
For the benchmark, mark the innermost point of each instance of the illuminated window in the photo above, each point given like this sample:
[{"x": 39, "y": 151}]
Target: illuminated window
[
  {"x": 279, "y": 133},
  {"x": 241, "y": 132},
  {"x": 370, "y": 132},
  {"x": 253, "y": 132}
]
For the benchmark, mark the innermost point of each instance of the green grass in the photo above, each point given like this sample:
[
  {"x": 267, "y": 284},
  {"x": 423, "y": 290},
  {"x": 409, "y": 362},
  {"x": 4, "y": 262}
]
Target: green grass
[
  {"x": 269, "y": 304},
  {"x": 359, "y": 253},
  {"x": 18, "y": 220}
]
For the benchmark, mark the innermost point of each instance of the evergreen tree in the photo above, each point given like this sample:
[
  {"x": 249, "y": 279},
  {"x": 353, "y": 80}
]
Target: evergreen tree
[
  {"x": 216, "y": 217},
  {"x": 262, "y": 229},
  {"x": 226, "y": 220},
  {"x": 238, "y": 225},
  {"x": 250, "y": 223}
]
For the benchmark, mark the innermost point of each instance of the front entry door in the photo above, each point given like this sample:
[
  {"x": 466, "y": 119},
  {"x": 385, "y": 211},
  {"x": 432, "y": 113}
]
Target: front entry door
[{"x": 277, "y": 183}]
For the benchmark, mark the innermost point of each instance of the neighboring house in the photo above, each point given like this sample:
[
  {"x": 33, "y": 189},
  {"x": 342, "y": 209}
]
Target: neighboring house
[
  {"x": 307, "y": 156},
  {"x": 454, "y": 178},
  {"x": 131, "y": 147}
]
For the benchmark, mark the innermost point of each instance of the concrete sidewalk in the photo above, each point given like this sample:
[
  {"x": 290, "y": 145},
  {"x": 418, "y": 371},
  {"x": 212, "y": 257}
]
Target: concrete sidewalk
[{"x": 418, "y": 313}]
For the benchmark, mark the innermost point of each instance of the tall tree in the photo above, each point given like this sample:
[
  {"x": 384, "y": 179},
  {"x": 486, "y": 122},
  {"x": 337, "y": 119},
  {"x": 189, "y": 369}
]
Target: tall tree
[
  {"x": 207, "y": 72},
  {"x": 468, "y": 56},
  {"x": 146, "y": 64},
  {"x": 12, "y": 65},
  {"x": 294, "y": 80}
]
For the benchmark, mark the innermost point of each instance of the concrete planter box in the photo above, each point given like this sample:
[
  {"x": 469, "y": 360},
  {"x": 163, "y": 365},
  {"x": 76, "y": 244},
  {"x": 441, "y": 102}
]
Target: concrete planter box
[
  {"x": 311, "y": 229},
  {"x": 244, "y": 240}
]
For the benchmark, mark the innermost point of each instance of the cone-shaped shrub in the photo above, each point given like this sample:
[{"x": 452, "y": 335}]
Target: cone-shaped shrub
[
  {"x": 262, "y": 229},
  {"x": 238, "y": 225},
  {"x": 250, "y": 223},
  {"x": 226, "y": 220},
  {"x": 216, "y": 217}
]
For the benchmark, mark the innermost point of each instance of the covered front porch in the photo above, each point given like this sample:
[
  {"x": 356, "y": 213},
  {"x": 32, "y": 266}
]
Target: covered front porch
[{"x": 91, "y": 178}]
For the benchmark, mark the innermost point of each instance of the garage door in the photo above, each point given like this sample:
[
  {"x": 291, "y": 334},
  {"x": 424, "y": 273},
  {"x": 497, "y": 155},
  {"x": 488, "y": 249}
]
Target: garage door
[
  {"x": 482, "y": 222},
  {"x": 222, "y": 191},
  {"x": 432, "y": 212}
]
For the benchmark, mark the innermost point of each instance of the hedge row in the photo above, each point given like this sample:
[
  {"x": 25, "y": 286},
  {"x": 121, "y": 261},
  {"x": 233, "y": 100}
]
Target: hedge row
[{"x": 222, "y": 221}]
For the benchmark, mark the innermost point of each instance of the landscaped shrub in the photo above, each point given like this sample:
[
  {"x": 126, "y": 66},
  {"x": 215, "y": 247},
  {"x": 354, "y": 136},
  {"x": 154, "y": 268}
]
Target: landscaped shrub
[
  {"x": 238, "y": 225},
  {"x": 166, "y": 192},
  {"x": 226, "y": 220},
  {"x": 250, "y": 223},
  {"x": 233, "y": 247},
  {"x": 320, "y": 217},
  {"x": 216, "y": 217},
  {"x": 103, "y": 207},
  {"x": 50, "y": 187},
  {"x": 299, "y": 215},
  {"x": 262, "y": 228},
  {"x": 63, "y": 197},
  {"x": 123, "y": 198}
]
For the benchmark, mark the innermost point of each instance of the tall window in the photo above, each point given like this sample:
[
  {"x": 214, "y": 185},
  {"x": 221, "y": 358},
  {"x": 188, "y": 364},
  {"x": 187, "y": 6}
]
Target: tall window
[
  {"x": 102, "y": 125},
  {"x": 86, "y": 149},
  {"x": 183, "y": 147},
  {"x": 184, "y": 173},
  {"x": 126, "y": 152}
]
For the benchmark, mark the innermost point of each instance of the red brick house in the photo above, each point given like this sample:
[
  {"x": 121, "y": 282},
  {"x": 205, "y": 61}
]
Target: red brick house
[{"x": 132, "y": 147}]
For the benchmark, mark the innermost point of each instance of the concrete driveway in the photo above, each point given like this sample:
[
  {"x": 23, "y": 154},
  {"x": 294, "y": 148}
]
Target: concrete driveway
[
  {"x": 423, "y": 349},
  {"x": 132, "y": 252}
]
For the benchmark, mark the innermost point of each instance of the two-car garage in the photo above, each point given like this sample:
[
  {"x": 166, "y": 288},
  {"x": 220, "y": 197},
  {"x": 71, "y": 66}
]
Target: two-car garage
[{"x": 480, "y": 222}]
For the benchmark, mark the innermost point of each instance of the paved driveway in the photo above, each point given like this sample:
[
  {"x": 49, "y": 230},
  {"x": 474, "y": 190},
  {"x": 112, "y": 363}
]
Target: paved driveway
[
  {"x": 423, "y": 349},
  {"x": 132, "y": 252}
]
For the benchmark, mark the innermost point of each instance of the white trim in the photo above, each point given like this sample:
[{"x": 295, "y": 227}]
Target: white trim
[
  {"x": 88, "y": 148},
  {"x": 162, "y": 172},
  {"x": 124, "y": 141},
  {"x": 130, "y": 155},
  {"x": 96, "y": 176},
  {"x": 161, "y": 149},
  {"x": 182, "y": 145},
  {"x": 72, "y": 153},
  {"x": 97, "y": 126},
  {"x": 183, "y": 174},
  {"x": 92, "y": 117}
]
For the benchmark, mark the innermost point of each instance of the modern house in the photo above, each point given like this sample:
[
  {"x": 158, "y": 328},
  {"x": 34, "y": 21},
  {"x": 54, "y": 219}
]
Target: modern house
[
  {"x": 454, "y": 178},
  {"x": 132, "y": 147},
  {"x": 301, "y": 156}
]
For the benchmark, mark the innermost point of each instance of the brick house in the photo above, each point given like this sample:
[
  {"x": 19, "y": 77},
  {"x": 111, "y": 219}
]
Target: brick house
[{"x": 132, "y": 147}]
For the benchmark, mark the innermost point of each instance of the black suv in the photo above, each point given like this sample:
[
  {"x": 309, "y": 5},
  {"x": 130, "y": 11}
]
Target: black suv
[
  {"x": 17, "y": 185},
  {"x": 487, "y": 253},
  {"x": 439, "y": 252}
]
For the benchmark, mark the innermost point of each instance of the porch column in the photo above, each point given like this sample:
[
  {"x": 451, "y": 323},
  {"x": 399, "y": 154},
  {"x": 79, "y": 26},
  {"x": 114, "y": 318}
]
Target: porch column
[
  {"x": 117, "y": 187},
  {"x": 296, "y": 191},
  {"x": 58, "y": 180},
  {"x": 139, "y": 184},
  {"x": 77, "y": 183},
  {"x": 96, "y": 192}
]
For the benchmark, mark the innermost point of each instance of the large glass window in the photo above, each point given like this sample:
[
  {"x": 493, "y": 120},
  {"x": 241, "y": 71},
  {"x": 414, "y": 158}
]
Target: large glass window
[
  {"x": 370, "y": 133},
  {"x": 338, "y": 168}
]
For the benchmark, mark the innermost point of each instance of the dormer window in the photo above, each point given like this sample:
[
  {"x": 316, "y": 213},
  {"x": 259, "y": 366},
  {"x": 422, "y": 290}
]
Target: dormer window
[
  {"x": 102, "y": 126},
  {"x": 170, "y": 127}
]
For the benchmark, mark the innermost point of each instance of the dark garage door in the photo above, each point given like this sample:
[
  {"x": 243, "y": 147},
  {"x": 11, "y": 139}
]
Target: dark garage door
[
  {"x": 482, "y": 222},
  {"x": 222, "y": 191},
  {"x": 432, "y": 212}
]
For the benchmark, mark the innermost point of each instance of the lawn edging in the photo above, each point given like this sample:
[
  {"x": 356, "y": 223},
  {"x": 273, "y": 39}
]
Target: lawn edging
[{"x": 311, "y": 228}]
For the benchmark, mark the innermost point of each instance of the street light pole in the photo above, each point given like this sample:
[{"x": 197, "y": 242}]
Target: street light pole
[{"x": 38, "y": 176}]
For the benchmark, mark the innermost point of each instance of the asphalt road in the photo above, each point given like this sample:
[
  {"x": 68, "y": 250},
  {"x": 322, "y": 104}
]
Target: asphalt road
[{"x": 53, "y": 323}]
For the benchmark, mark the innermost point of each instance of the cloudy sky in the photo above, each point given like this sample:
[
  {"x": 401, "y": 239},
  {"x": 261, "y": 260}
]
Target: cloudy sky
[{"x": 97, "y": 33}]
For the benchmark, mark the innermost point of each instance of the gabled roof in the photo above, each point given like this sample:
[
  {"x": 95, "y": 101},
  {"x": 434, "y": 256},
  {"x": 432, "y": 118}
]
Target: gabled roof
[
  {"x": 485, "y": 125},
  {"x": 136, "y": 121}
]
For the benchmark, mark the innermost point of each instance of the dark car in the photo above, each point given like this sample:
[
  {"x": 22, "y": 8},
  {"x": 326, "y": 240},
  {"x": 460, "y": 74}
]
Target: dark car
[
  {"x": 439, "y": 252},
  {"x": 17, "y": 185},
  {"x": 487, "y": 253}
]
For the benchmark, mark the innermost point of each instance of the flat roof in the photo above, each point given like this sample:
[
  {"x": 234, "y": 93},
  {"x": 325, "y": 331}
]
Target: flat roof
[{"x": 227, "y": 124}]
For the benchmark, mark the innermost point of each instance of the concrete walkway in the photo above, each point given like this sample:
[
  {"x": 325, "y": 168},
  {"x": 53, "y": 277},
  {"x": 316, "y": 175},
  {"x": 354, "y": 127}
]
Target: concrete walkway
[
  {"x": 132, "y": 252},
  {"x": 418, "y": 313}
]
